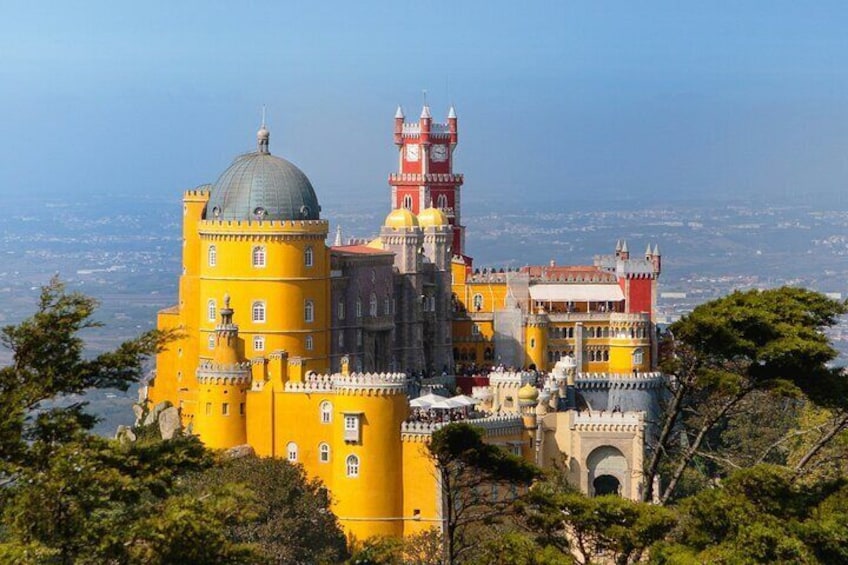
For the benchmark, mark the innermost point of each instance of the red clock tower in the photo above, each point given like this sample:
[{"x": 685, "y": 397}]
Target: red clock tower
[{"x": 425, "y": 174}]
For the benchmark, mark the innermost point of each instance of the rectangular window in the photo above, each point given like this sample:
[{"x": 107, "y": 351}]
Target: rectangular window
[
  {"x": 225, "y": 409},
  {"x": 341, "y": 339},
  {"x": 359, "y": 338},
  {"x": 208, "y": 408},
  {"x": 352, "y": 428},
  {"x": 341, "y": 310},
  {"x": 241, "y": 408}
]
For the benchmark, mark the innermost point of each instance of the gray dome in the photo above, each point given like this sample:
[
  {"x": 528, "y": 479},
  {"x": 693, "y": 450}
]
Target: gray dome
[{"x": 261, "y": 186}]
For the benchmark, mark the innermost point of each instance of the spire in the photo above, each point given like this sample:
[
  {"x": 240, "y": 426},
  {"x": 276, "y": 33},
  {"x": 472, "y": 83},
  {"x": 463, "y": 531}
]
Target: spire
[
  {"x": 648, "y": 252},
  {"x": 399, "y": 114},
  {"x": 624, "y": 246},
  {"x": 425, "y": 112},
  {"x": 618, "y": 245},
  {"x": 338, "y": 240},
  {"x": 656, "y": 250},
  {"x": 452, "y": 113},
  {"x": 263, "y": 136}
]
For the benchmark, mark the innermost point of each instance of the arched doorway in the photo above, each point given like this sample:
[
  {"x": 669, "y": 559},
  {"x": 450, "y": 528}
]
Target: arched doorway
[
  {"x": 608, "y": 472},
  {"x": 606, "y": 484}
]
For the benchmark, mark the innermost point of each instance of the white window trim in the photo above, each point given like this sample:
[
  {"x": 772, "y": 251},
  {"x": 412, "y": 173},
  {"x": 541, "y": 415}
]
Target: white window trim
[
  {"x": 309, "y": 343},
  {"x": 324, "y": 452},
  {"x": 211, "y": 310},
  {"x": 292, "y": 452},
  {"x": 253, "y": 310},
  {"x": 259, "y": 343},
  {"x": 308, "y": 311},
  {"x": 352, "y": 466},
  {"x": 212, "y": 256},
  {"x": 259, "y": 256},
  {"x": 308, "y": 257}
]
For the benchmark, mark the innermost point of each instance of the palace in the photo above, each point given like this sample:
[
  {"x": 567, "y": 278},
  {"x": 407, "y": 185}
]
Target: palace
[{"x": 308, "y": 351}]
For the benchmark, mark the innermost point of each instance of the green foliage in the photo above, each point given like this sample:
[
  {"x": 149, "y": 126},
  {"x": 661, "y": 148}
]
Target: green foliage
[
  {"x": 469, "y": 470},
  {"x": 293, "y": 523},
  {"x": 613, "y": 527},
  {"x": 48, "y": 360},
  {"x": 759, "y": 515}
]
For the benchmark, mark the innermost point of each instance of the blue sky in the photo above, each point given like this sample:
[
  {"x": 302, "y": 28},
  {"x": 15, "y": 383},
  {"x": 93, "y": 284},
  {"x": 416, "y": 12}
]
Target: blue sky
[{"x": 557, "y": 101}]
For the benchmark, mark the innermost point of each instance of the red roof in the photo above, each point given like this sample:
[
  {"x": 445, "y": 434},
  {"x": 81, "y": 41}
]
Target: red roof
[{"x": 359, "y": 250}]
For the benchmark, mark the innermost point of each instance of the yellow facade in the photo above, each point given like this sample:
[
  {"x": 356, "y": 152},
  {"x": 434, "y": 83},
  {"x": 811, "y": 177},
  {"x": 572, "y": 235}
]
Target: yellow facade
[{"x": 254, "y": 321}]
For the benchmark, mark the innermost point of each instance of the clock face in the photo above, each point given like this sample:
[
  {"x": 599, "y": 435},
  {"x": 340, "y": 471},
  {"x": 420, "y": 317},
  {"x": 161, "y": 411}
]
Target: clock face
[
  {"x": 412, "y": 152},
  {"x": 440, "y": 153}
]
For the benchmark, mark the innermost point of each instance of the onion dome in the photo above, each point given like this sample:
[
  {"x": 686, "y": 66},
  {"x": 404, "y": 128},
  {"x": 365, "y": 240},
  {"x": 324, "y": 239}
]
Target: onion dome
[
  {"x": 401, "y": 218},
  {"x": 261, "y": 186},
  {"x": 432, "y": 217},
  {"x": 528, "y": 393}
]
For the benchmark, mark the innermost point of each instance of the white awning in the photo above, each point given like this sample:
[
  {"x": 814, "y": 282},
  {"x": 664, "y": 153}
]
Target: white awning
[{"x": 606, "y": 292}]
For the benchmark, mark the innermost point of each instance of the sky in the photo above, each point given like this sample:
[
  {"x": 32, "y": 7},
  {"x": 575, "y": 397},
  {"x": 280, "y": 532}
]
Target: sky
[{"x": 559, "y": 103}]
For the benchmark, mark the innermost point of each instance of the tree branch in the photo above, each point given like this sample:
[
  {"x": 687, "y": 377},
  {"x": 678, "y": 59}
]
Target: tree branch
[{"x": 841, "y": 424}]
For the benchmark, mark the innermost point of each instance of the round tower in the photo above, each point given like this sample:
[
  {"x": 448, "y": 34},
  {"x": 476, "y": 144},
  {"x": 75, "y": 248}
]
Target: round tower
[
  {"x": 369, "y": 459},
  {"x": 262, "y": 239},
  {"x": 536, "y": 340},
  {"x": 222, "y": 388}
]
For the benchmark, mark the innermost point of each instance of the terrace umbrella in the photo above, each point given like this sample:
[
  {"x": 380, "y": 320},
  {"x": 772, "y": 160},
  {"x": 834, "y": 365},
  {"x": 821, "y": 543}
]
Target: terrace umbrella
[
  {"x": 465, "y": 400},
  {"x": 426, "y": 401}
]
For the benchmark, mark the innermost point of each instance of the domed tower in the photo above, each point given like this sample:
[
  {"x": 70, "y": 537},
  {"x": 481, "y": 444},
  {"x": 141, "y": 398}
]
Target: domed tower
[
  {"x": 261, "y": 237},
  {"x": 437, "y": 236},
  {"x": 401, "y": 234},
  {"x": 222, "y": 388},
  {"x": 528, "y": 397}
]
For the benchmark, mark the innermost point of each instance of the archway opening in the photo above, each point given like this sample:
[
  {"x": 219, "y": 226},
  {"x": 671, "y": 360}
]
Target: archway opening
[{"x": 606, "y": 484}]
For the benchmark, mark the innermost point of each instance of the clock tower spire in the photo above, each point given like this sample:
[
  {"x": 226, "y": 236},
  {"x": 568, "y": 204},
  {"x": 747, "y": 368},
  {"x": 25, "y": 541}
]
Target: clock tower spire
[{"x": 425, "y": 169}]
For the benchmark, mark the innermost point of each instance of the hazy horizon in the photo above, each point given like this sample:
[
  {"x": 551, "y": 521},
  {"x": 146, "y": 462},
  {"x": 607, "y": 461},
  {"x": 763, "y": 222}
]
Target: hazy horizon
[{"x": 559, "y": 103}]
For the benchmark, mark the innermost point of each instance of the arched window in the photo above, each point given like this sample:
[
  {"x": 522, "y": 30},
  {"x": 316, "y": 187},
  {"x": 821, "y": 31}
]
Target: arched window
[
  {"x": 442, "y": 201},
  {"x": 372, "y": 306},
  {"x": 324, "y": 453},
  {"x": 358, "y": 307},
  {"x": 326, "y": 412},
  {"x": 309, "y": 311},
  {"x": 407, "y": 202},
  {"x": 352, "y": 465},
  {"x": 310, "y": 343},
  {"x": 212, "y": 256},
  {"x": 638, "y": 356},
  {"x": 258, "y": 312},
  {"x": 259, "y": 256},
  {"x": 606, "y": 354},
  {"x": 308, "y": 257},
  {"x": 258, "y": 343},
  {"x": 291, "y": 451},
  {"x": 477, "y": 301},
  {"x": 210, "y": 310},
  {"x": 211, "y": 341}
]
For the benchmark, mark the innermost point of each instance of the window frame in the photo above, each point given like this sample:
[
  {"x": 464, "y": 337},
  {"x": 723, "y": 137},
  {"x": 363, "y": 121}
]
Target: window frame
[
  {"x": 258, "y": 307},
  {"x": 352, "y": 465},
  {"x": 259, "y": 257}
]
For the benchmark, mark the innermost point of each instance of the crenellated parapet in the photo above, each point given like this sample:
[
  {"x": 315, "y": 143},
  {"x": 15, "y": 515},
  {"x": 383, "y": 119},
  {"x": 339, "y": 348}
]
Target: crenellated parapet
[
  {"x": 604, "y": 421},
  {"x": 370, "y": 384},
  {"x": 215, "y": 373},
  {"x": 619, "y": 381},
  {"x": 511, "y": 379},
  {"x": 493, "y": 426},
  {"x": 225, "y": 230}
]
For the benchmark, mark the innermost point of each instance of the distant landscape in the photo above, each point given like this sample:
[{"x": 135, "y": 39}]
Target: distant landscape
[{"x": 125, "y": 251}]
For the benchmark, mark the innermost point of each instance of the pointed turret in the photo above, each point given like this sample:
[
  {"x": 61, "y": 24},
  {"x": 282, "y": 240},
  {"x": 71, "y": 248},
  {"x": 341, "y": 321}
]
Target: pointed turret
[
  {"x": 399, "y": 126},
  {"x": 624, "y": 253},
  {"x": 338, "y": 240},
  {"x": 425, "y": 112},
  {"x": 452, "y": 127},
  {"x": 648, "y": 253}
]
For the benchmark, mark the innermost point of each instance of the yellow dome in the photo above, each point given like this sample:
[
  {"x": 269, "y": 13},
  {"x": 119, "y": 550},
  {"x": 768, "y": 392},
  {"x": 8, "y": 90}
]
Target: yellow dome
[
  {"x": 401, "y": 218},
  {"x": 528, "y": 392},
  {"x": 432, "y": 217}
]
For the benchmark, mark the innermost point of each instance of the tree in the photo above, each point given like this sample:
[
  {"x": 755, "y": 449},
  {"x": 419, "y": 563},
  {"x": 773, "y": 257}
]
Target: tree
[
  {"x": 761, "y": 515},
  {"x": 479, "y": 483},
  {"x": 592, "y": 530},
  {"x": 770, "y": 341},
  {"x": 48, "y": 360},
  {"x": 292, "y": 521}
]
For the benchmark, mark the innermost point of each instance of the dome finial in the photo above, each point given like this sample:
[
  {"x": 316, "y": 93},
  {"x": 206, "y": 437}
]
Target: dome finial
[{"x": 263, "y": 136}]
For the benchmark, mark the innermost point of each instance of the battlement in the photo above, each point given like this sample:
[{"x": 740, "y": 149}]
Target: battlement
[
  {"x": 434, "y": 178},
  {"x": 605, "y": 381},
  {"x": 509, "y": 378},
  {"x": 214, "y": 373},
  {"x": 412, "y": 129},
  {"x": 500, "y": 425},
  {"x": 373, "y": 383},
  {"x": 199, "y": 194},
  {"x": 605, "y": 421},
  {"x": 265, "y": 227}
]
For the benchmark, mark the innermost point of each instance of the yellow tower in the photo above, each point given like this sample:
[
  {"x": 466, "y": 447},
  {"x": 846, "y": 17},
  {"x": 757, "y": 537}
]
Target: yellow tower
[
  {"x": 369, "y": 462},
  {"x": 536, "y": 340},
  {"x": 222, "y": 386}
]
